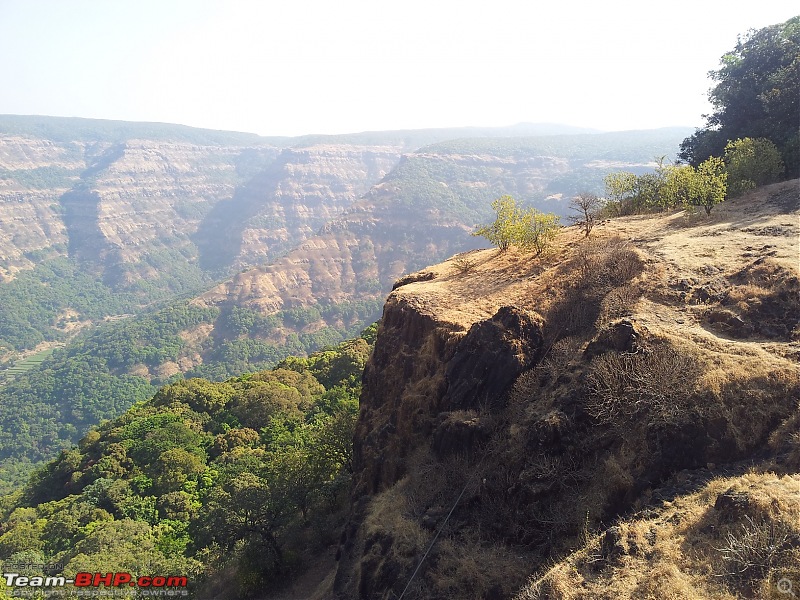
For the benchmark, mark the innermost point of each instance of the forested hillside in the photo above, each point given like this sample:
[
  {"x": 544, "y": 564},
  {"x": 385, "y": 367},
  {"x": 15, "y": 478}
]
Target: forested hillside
[
  {"x": 231, "y": 484},
  {"x": 612, "y": 413}
]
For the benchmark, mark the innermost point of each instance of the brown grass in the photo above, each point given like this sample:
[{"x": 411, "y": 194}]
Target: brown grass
[
  {"x": 690, "y": 549},
  {"x": 583, "y": 441}
]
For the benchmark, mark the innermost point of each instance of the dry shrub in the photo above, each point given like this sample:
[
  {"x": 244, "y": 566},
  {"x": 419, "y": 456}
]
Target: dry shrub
[
  {"x": 464, "y": 265},
  {"x": 434, "y": 483},
  {"x": 468, "y": 567},
  {"x": 556, "y": 361},
  {"x": 760, "y": 397},
  {"x": 619, "y": 303},
  {"x": 389, "y": 514},
  {"x": 606, "y": 263},
  {"x": 658, "y": 385},
  {"x": 756, "y": 548},
  {"x": 598, "y": 269},
  {"x": 786, "y": 440},
  {"x": 767, "y": 296},
  {"x": 690, "y": 548}
]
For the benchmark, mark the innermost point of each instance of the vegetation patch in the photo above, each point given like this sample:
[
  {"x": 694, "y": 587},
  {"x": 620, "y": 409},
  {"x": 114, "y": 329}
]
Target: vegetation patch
[{"x": 231, "y": 482}]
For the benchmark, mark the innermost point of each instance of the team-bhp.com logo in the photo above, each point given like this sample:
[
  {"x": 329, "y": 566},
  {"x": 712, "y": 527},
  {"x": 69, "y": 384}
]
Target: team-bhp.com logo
[{"x": 160, "y": 585}]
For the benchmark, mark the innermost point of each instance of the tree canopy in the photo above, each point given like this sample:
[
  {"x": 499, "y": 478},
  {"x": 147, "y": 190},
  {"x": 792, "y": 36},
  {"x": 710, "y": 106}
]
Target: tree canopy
[
  {"x": 236, "y": 481},
  {"x": 757, "y": 95},
  {"x": 527, "y": 229}
]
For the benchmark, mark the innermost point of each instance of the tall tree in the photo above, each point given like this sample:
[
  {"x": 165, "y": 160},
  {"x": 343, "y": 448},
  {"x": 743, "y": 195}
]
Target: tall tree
[{"x": 757, "y": 95}]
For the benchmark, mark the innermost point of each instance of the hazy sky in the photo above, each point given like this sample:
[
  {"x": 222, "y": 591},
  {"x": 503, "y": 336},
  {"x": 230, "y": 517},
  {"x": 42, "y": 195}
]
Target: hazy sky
[{"x": 331, "y": 66}]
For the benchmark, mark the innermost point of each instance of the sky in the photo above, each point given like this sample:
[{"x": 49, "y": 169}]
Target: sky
[{"x": 294, "y": 67}]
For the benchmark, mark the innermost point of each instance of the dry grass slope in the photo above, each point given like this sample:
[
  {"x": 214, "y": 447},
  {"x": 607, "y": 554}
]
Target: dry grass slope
[{"x": 667, "y": 388}]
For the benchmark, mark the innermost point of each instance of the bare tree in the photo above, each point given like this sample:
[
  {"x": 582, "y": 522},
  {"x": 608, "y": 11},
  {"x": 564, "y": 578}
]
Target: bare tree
[{"x": 586, "y": 206}]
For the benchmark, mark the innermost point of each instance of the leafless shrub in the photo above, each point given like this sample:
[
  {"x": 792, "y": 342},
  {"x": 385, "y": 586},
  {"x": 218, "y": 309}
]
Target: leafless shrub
[
  {"x": 598, "y": 268},
  {"x": 760, "y": 545},
  {"x": 659, "y": 383},
  {"x": 619, "y": 303},
  {"x": 556, "y": 361},
  {"x": 786, "y": 439},
  {"x": 434, "y": 482},
  {"x": 606, "y": 263},
  {"x": 468, "y": 566},
  {"x": 464, "y": 265},
  {"x": 586, "y": 206}
]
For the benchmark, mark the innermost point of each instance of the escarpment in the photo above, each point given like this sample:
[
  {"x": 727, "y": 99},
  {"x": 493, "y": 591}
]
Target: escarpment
[
  {"x": 516, "y": 406},
  {"x": 424, "y": 367},
  {"x": 148, "y": 209}
]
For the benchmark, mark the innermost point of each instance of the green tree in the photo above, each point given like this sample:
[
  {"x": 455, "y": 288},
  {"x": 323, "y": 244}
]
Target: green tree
[
  {"x": 710, "y": 185},
  {"x": 679, "y": 183},
  {"x": 175, "y": 467},
  {"x": 248, "y": 506},
  {"x": 504, "y": 230},
  {"x": 750, "y": 163},
  {"x": 526, "y": 229},
  {"x": 620, "y": 189},
  {"x": 757, "y": 94},
  {"x": 537, "y": 230}
]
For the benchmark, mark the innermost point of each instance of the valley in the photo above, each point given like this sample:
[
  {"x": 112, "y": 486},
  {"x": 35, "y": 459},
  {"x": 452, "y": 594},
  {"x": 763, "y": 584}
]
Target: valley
[{"x": 302, "y": 237}]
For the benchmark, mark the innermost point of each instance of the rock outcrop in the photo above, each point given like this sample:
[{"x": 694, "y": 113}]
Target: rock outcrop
[{"x": 493, "y": 414}]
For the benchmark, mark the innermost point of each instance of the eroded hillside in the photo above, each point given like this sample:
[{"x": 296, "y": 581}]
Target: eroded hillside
[
  {"x": 421, "y": 212},
  {"x": 546, "y": 398},
  {"x": 145, "y": 210},
  {"x": 156, "y": 215}
]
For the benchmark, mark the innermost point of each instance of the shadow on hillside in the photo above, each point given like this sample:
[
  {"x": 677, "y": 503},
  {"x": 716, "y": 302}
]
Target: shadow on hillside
[{"x": 219, "y": 236}]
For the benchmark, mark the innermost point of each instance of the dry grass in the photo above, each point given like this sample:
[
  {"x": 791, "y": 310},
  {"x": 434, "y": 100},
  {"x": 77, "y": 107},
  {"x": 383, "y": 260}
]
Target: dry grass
[
  {"x": 469, "y": 567},
  {"x": 691, "y": 549},
  {"x": 583, "y": 440},
  {"x": 596, "y": 285},
  {"x": 390, "y": 513}
]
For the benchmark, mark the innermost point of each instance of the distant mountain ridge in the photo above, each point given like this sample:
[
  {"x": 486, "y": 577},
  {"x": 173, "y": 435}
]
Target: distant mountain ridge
[{"x": 68, "y": 129}]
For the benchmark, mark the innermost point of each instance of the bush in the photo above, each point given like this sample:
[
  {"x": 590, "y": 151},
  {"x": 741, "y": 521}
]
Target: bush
[
  {"x": 526, "y": 229},
  {"x": 658, "y": 386},
  {"x": 759, "y": 546},
  {"x": 464, "y": 265},
  {"x": 750, "y": 163},
  {"x": 668, "y": 187}
]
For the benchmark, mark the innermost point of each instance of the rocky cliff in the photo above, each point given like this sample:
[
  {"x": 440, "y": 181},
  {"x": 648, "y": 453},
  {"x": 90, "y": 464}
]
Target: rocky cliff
[
  {"x": 514, "y": 405},
  {"x": 421, "y": 212},
  {"x": 146, "y": 210}
]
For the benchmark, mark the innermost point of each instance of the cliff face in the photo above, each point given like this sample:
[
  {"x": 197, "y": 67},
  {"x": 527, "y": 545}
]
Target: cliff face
[
  {"x": 29, "y": 210},
  {"x": 148, "y": 210},
  {"x": 545, "y": 397},
  {"x": 288, "y": 202}
]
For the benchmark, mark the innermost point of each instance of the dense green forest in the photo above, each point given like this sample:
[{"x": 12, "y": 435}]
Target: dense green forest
[
  {"x": 51, "y": 405},
  {"x": 231, "y": 482},
  {"x": 756, "y": 95},
  {"x": 32, "y": 304}
]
